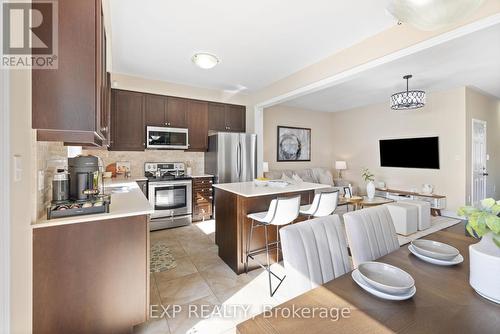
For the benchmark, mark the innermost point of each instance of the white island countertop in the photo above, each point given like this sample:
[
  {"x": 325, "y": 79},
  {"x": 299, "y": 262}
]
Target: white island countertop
[
  {"x": 127, "y": 200},
  {"x": 249, "y": 189}
]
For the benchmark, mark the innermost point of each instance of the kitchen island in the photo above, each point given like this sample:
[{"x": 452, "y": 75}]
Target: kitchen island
[
  {"x": 91, "y": 273},
  {"x": 234, "y": 201}
]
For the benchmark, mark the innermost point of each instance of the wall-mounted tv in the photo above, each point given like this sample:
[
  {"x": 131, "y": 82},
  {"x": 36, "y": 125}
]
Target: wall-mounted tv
[{"x": 410, "y": 153}]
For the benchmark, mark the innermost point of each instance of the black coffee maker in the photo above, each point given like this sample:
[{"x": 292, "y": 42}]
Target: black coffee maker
[{"x": 83, "y": 176}]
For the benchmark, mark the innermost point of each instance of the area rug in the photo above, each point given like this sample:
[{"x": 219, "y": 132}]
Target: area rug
[
  {"x": 161, "y": 258},
  {"x": 437, "y": 224}
]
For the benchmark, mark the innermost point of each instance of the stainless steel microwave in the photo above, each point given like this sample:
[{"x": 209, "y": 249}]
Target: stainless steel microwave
[{"x": 167, "y": 138}]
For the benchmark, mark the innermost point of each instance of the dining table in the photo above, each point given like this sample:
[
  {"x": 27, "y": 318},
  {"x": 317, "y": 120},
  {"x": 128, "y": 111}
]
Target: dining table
[{"x": 444, "y": 301}]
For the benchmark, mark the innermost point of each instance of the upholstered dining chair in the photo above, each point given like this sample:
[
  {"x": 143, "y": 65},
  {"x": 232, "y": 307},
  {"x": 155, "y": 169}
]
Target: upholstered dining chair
[
  {"x": 324, "y": 204},
  {"x": 370, "y": 233},
  {"x": 314, "y": 252}
]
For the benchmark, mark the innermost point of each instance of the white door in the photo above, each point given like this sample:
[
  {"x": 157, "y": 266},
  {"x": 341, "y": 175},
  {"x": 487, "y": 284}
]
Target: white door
[{"x": 479, "y": 160}]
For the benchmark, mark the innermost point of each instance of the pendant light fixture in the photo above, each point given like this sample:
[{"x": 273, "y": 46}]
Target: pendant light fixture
[
  {"x": 410, "y": 99},
  {"x": 431, "y": 15}
]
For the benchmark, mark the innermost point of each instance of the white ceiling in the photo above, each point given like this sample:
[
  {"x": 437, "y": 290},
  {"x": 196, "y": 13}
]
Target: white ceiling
[
  {"x": 258, "y": 42},
  {"x": 471, "y": 60}
]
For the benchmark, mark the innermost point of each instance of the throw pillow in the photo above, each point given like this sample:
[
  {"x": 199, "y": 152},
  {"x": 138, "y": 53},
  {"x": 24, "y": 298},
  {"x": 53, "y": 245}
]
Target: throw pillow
[
  {"x": 297, "y": 178},
  {"x": 325, "y": 177}
]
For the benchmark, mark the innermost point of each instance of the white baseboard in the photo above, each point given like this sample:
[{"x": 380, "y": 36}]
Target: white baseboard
[{"x": 451, "y": 214}]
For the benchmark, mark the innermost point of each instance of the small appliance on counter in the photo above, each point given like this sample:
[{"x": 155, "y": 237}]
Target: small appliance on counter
[
  {"x": 84, "y": 177},
  {"x": 78, "y": 191},
  {"x": 60, "y": 187}
]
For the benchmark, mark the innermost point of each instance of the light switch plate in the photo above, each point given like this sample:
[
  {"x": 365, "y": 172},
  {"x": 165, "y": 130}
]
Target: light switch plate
[
  {"x": 18, "y": 168},
  {"x": 41, "y": 180}
]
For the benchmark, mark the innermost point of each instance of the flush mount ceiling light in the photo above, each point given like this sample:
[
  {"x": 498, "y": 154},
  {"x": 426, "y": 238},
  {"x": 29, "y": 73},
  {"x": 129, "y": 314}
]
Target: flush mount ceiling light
[
  {"x": 410, "y": 99},
  {"x": 432, "y": 14},
  {"x": 205, "y": 60}
]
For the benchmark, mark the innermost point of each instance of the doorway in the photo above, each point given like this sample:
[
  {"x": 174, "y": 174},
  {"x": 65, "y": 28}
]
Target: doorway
[{"x": 479, "y": 161}]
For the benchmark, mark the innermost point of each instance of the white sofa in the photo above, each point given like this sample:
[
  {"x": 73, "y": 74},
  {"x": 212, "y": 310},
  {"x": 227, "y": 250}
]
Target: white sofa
[{"x": 312, "y": 175}]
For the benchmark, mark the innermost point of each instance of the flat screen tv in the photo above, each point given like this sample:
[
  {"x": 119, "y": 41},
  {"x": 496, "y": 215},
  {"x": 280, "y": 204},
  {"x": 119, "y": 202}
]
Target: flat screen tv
[{"x": 410, "y": 153}]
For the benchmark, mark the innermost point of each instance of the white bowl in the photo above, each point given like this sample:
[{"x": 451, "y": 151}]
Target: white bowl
[
  {"x": 260, "y": 183},
  {"x": 434, "y": 249},
  {"x": 386, "y": 278},
  {"x": 278, "y": 184}
]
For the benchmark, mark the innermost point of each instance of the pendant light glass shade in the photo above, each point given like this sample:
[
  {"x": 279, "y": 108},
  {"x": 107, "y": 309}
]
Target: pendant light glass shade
[
  {"x": 432, "y": 14},
  {"x": 410, "y": 99}
]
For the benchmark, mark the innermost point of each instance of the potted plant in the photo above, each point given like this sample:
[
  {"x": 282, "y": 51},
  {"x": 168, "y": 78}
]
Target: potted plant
[
  {"x": 484, "y": 223},
  {"x": 370, "y": 185}
]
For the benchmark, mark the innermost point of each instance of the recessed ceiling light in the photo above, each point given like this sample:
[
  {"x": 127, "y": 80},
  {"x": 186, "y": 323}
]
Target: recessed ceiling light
[{"x": 205, "y": 60}]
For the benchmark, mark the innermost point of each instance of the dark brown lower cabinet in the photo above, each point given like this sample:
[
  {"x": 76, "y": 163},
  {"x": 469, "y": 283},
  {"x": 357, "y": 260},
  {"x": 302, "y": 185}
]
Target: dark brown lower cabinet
[
  {"x": 202, "y": 198},
  {"x": 91, "y": 277}
]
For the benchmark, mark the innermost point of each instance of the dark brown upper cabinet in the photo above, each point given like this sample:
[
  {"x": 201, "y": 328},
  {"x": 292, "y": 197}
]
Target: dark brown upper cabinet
[
  {"x": 235, "y": 118},
  {"x": 71, "y": 103},
  {"x": 216, "y": 116},
  {"x": 156, "y": 110},
  {"x": 226, "y": 117},
  {"x": 166, "y": 111},
  {"x": 197, "y": 120},
  {"x": 177, "y": 112},
  {"x": 128, "y": 119}
]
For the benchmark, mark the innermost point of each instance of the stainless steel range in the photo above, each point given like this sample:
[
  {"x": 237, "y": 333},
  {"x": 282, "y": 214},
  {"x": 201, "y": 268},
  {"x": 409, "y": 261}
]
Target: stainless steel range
[{"x": 170, "y": 192}]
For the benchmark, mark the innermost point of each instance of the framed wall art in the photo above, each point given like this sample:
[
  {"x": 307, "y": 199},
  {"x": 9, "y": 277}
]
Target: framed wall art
[{"x": 294, "y": 144}]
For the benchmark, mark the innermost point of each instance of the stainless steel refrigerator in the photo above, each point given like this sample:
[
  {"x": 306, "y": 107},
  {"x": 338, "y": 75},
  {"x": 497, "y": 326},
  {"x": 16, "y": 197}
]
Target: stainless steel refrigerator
[{"x": 232, "y": 157}]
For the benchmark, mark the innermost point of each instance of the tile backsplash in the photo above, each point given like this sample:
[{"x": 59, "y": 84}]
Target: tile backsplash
[
  {"x": 46, "y": 151},
  {"x": 137, "y": 159}
]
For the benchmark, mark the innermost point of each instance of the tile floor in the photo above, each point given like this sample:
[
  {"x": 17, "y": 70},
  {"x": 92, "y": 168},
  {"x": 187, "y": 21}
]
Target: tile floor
[
  {"x": 204, "y": 286},
  {"x": 211, "y": 297}
]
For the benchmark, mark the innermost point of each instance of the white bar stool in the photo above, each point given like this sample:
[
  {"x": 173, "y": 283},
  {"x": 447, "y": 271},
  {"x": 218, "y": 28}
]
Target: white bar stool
[
  {"x": 324, "y": 204},
  {"x": 282, "y": 211}
]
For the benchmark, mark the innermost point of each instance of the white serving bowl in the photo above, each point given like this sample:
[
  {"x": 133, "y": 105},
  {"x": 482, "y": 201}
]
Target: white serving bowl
[
  {"x": 260, "y": 183},
  {"x": 435, "y": 249},
  {"x": 386, "y": 278},
  {"x": 278, "y": 184}
]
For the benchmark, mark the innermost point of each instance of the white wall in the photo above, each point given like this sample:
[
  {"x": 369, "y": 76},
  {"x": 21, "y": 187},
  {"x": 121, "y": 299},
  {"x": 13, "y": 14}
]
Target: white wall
[
  {"x": 23, "y": 203},
  {"x": 357, "y": 133},
  {"x": 486, "y": 108},
  {"x": 321, "y": 136}
]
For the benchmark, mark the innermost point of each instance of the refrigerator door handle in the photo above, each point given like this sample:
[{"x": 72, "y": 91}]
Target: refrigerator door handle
[
  {"x": 241, "y": 161},
  {"x": 238, "y": 160}
]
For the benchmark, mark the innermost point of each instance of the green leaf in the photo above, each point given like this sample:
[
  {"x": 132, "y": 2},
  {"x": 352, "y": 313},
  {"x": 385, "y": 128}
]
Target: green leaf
[
  {"x": 495, "y": 209},
  {"x": 493, "y": 223},
  {"x": 466, "y": 211},
  {"x": 470, "y": 230},
  {"x": 488, "y": 203}
]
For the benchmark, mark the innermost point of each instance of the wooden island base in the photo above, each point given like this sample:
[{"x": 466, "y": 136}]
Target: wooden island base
[{"x": 232, "y": 225}]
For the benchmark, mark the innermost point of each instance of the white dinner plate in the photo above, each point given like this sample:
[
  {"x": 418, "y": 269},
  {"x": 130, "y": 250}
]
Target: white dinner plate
[
  {"x": 435, "y": 249},
  {"x": 386, "y": 278},
  {"x": 458, "y": 259},
  {"x": 356, "y": 276}
]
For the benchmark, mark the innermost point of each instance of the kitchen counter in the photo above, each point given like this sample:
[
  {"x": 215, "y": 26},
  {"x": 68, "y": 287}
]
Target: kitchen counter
[
  {"x": 201, "y": 175},
  {"x": 249, "y": 189},
  {"x": 233, "y": 202},
  {"x": 127, "y": 201}
]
